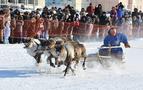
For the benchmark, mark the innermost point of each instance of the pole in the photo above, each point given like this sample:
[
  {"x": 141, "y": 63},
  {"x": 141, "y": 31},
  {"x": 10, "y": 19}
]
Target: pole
[
  {"x": 33, "y": 4},
  {"x": 25, "y": 2},
  {"x": 15, "y": 2},
  {"x": 0, "y": 3}
]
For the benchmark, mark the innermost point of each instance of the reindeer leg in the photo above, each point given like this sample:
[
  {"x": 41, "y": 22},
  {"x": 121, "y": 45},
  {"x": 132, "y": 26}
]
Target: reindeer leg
[
  {"x": 76, "y": 63},
  {"x": 67, "y": 67},
  {"x": 60, "y": 63},
  {"x": 51, "y": 63},
  {"x": 72, "y": 70},
  {"x": 83, "y": 65},
  {"x": 38, "y": 57}
]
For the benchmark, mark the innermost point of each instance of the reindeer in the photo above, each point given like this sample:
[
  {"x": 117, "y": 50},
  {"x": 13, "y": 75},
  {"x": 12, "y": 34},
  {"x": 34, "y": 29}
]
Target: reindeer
[
  {"x": 79, "y": 52},
  {"x": 36, "y": 48},
  {"x": 69, "y": 51},
  {"x": 64, "y": 50}
]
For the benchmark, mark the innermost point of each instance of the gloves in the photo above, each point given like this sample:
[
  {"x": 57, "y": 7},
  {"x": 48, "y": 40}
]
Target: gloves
[{"x": 127, "y": 45}]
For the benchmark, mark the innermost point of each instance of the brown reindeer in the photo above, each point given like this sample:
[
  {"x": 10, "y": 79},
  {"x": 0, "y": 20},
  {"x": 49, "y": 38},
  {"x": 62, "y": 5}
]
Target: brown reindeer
[
  {"x": 79, "y": 52},
  {"x": 69, "y": 51},
  {"x": 36, "y": 48}
]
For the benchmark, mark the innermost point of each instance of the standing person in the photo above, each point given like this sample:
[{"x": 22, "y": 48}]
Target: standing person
[
  {"x": 2, "y": 21},
  {"x": 103, "y": 23},
  {"x": 39, "y": 26},
  {"x": 12, "y": 27},
  {"x": 18, "y": 32},
  {"x": 90, "y": 10},
  {"x": 120, "y": 13},
  {"x": 113, "y": 15},
  {"x": 98, "y": 10},
  {"x": 4, "y": 17},
  {"x": 6, "y": 32},
  {"x": 111, "y": 40}
]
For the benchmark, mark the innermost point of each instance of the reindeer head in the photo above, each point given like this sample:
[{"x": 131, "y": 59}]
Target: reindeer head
[
  {"x": 50, "y": 43},
  {"x": 32, "y": 42}
]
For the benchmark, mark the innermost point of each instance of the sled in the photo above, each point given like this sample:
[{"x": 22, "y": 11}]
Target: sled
[{"x": 107, "y": 60}]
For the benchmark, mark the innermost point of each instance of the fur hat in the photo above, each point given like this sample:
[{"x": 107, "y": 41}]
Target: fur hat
[{"x": 109, "y": 31}]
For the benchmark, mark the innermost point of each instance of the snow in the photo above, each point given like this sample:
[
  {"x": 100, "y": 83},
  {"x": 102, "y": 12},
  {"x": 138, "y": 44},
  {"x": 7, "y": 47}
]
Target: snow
[{"x": 19, "y": 72}]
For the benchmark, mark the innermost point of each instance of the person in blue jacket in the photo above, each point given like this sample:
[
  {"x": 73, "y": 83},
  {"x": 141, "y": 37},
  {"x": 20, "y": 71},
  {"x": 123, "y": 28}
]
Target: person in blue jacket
[{"x": 113, "y": 40}]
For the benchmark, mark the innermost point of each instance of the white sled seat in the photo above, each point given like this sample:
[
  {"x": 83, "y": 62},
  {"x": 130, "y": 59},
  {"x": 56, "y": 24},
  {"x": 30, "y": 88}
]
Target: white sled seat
[
  {"x": 109, "y": 47},
  {"x": 106, "y": 57}
]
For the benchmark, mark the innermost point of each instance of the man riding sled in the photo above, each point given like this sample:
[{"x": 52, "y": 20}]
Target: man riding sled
[{"x": 111, "y": 46}]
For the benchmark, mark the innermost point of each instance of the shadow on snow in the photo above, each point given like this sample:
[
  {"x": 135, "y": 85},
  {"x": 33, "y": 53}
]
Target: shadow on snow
[{"x": 16, "y": 73}]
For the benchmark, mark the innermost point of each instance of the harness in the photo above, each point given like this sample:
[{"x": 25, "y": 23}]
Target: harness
[{"x": 38, "y": 45}]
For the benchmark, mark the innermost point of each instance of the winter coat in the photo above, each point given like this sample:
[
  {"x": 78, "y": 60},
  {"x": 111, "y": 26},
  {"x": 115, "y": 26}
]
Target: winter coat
[
  {"x": 7, "y": 29},
  {"x": 115, "y": 40}
]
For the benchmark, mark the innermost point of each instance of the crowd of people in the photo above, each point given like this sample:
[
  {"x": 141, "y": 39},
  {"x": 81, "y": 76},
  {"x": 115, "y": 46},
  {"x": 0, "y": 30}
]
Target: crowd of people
[{"x": 37, "y": 21}]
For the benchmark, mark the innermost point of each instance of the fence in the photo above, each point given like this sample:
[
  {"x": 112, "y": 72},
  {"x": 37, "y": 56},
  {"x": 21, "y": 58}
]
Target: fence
[{"x": 33, "y": 27}]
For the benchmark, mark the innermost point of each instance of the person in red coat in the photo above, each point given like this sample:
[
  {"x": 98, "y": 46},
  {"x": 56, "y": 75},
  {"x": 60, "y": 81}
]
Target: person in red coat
[{"x": 90, "y": 10}]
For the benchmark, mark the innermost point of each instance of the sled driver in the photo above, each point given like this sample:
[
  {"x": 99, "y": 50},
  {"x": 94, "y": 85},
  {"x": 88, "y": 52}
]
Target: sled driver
[{"x": 113, "y": 40}]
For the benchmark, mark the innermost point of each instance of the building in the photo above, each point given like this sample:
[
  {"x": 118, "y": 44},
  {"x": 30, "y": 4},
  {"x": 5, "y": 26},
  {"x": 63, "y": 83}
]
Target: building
[
  {"x": 59, "y": 3},
  {"x": 107, "y": 4},
  {"x": 32, "y": 4},
  {"x": 135, "y": 4}
]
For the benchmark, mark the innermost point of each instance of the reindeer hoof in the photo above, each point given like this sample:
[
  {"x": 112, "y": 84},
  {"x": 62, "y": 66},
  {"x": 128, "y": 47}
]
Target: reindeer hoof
[
  {"x": 84, "y": 68},
  {"x": 52, "y": 65}
]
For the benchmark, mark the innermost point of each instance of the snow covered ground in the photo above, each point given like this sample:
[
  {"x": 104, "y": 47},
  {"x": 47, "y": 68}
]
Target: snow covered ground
[{"x": 18, "y": 71}]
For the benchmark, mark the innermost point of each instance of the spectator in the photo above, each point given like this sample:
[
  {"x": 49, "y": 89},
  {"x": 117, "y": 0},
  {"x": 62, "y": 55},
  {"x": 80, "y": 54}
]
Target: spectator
[
  {"x": 135, "y": 17},
  {"x": 119, "y": 15},
  {"x": 82, "y": 12},
  {"x": 83, "y": 18},
  {"x": 103, "y": 19},
  {"x": 98, "y": 11},
  {"x": 103, "y": 22},
  {"x": 90, "y": 10},
  {"x": 7, "y": 32},
  {"x": 113, "y": 15},
  {"x": 121, "y": 5}
]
